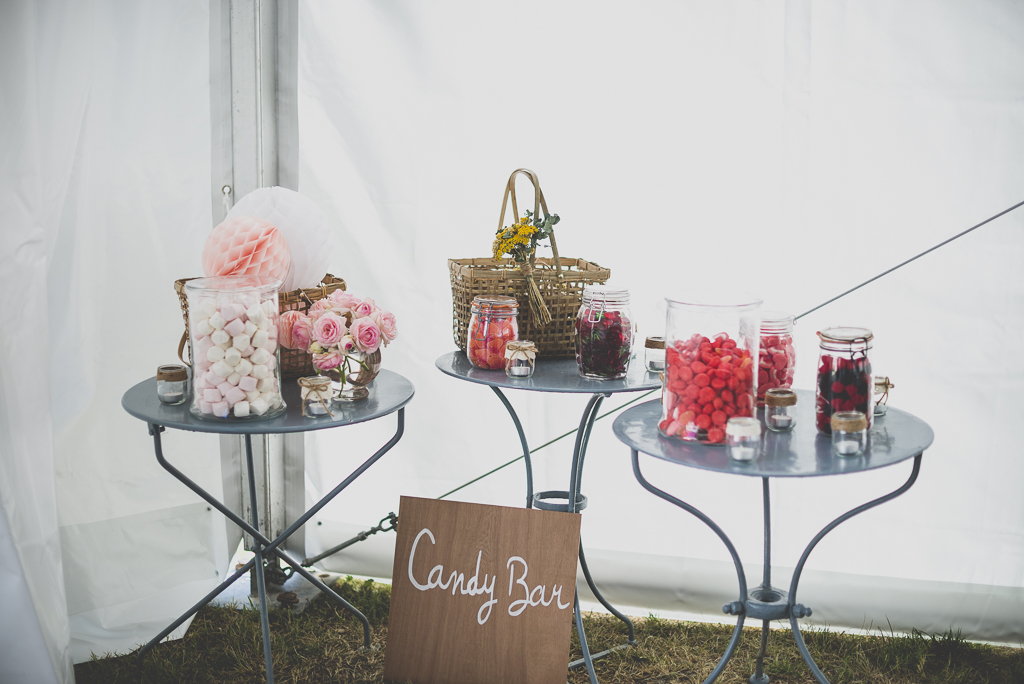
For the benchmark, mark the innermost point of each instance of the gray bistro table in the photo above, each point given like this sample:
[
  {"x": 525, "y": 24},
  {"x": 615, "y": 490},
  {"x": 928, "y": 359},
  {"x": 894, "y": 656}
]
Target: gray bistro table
[
  {"x": 390, "y": 392},
  {"x": 560, "y": 376},
  {"x": 803, "y": 452}
]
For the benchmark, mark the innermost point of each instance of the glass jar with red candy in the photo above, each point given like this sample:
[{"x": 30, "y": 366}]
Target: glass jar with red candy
[
  {"x": 604, "y": 333},
  {"x": 777, "y": 359},
  {"x": 492, "y": 325},
  {"x": 711, "y": 352},
  {"x": 844, "y": 380}
]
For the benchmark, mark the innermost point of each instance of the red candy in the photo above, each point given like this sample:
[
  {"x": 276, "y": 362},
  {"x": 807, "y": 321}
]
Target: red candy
[
  {"x": 775, "y": 364},
  {"x": 486, "y": 341},
  {"x": 707, "y": 382}
]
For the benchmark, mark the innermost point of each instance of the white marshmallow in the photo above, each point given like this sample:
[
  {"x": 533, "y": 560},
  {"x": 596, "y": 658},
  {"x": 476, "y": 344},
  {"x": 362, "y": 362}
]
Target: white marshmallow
[
  {"x": 203, "y": 327},
  {"x": 270, "y": 306},
  {"x": 260, "y": 338},
  {"x": 259, "y": 357},
  {"x": 264, "y": 324},
  {"x": 259, "y": 371},
  {"x": 272, "y": 332},
  {"x": 247, "y": 352},
  {"x": 233, "y": 379},
  {"x": 256, "y": 313},
  {"x": 248, "y": 383},
  {"x": 201, "y": 384},
  {"x": 251, "y": 328},
  {"x": 240, "y": 342},
  {"x": 221, "y": 409},
  {"x": 243, "y": 367},
  {"x": 235, "y": 327},
  {"x": 270, "y": 345},
  {"x": 220, "y": 337},
  {"x": 212, "y": 395},
  {"x": 205, "y": 308},
  {"x": 268, "y": 384},
  {"x": 259, "y": 406},
  {"x": 271, "y": 363},
  {"x": 255, "y": 394},
  {"x": 232, "y": 356},
  {"x": 241, "y": 409},
  {"x": 214, "y": 354},
  {"x": 217, "y": 321},
  {"x": 222, "y": 369},
  {"x": 273, "y": 399}
]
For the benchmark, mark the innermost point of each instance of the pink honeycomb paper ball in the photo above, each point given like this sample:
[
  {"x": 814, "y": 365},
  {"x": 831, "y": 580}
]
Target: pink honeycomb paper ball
[{"x": 246, "y": 245}]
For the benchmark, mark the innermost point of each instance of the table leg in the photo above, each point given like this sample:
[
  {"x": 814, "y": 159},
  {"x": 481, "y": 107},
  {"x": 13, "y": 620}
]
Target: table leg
[
  {"x": 261, "y": 581},
  {"x": 269, "y": 547},
  {"x": 795, "y": 609},
  {"x": 522, "y": 442},
  {"x": 734, "y": 608}
]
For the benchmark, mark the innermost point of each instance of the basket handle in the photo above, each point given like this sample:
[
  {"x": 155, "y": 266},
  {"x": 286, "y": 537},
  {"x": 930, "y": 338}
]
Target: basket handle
[
  {"x": 181, "y": 348},
  {"x": 538, "y": 204}
]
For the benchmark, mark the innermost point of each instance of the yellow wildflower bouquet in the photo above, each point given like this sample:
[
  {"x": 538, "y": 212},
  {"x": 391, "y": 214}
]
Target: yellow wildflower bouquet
[{"x": 519, "y": 241}]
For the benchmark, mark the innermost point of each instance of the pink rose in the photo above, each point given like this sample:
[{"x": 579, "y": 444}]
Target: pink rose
[
  {"x": 329, "y": 328},
  {"x": 327, "y": 360},
  {"x": 385, "y": 320},
  {"x": 343, "y": 299},
  {"x": 302, "y": 333},
  {"x": 366, "y": 334},
  {"x": 285, "y": 324},
  {"x": 319, "y": 308},
  {"x": 347, "y": 345},
  {"x": 363, "y": 308}
]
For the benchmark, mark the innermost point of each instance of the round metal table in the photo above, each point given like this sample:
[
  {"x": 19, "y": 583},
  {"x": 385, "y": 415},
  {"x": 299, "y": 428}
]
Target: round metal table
[
  {"x": 389, "y": 392},
  {"x": 895, "y": 437},
  {"x": 560, "y": 376}
]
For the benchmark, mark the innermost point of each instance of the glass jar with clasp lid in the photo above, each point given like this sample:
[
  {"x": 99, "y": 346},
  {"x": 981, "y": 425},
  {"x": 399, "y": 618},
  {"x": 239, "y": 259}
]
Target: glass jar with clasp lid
[
  {"x": 844, "y": 380},
  {"x": 492, "y": 325},
  {"x": 604, "y": 333}
]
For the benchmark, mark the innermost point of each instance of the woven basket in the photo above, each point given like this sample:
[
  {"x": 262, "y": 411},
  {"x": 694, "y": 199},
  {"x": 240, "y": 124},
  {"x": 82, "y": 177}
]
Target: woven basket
[{"x": 295, "y": 363}]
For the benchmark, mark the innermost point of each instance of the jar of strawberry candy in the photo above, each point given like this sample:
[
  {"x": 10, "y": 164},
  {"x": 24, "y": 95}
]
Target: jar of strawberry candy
[
  {"x": 844, "y": 380},
  {"x": 604, "y": 333},
  {"x": 777, "y": 359},
  {"x": 711, "y": 352},
  {"x": 492, "y": 325}
]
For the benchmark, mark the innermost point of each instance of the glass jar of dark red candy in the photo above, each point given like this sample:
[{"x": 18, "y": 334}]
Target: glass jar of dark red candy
[
  {"x": 604, "y": 333},
  {"x": 711, "y": 361},
  {"x": 844, "y": 379},
  {"x": 492, "y": 325},
  {"x": 777, "y": 359}
]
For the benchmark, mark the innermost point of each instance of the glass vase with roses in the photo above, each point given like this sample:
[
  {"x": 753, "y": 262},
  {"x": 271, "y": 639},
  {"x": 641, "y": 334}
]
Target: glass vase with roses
[{"x": 344, "y": 334}]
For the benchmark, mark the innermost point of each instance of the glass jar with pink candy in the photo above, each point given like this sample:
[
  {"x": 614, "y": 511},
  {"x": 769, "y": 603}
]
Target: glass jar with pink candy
[
  {"x": 233, "y": 328},
  {"x": 777, "y": 359}
]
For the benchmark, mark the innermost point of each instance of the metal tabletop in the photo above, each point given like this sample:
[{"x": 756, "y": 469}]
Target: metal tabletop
[
  {"x": 388, "y": 393},
  {"x": 803, "y": 452},
  {"x": 550, "y": 375}
]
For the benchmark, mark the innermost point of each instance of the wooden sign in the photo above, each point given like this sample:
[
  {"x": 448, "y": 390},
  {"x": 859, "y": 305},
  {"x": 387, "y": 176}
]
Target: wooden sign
[{"x": 481, "y": 594}]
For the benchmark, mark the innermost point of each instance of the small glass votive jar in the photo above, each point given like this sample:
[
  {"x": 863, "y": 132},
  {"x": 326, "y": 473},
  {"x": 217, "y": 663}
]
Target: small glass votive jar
[
  {"x": 315, "y": 394},
  {"x": 742, "y": 438},
  {"x": 654, "y": 354},
  {"x": 520, "y": 358},
  {"x": 780, "y": 409},
  {"x": 882, "y": 386},
  {"x": 849, "y": 433},
  {"x": 172, "y": 384}
]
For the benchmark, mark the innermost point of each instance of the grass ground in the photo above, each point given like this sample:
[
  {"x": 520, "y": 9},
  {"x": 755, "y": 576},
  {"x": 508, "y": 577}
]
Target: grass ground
[{"x": 224, "y": 646}]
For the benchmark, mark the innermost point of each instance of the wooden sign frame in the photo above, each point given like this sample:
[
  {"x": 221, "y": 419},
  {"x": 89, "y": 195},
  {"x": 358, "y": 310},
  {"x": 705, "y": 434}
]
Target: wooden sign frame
[{"x": 481, "y": 594}]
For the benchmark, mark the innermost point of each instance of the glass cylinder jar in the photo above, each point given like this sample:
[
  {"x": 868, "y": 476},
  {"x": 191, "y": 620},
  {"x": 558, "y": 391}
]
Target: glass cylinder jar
[
  {"x": 780, "y": 409},
  {"x": 492, "y": 325},
  {"x": 654, "y": 354},
  {"x": 233, "y": 327},
  {"x": 711, "y": 345},
  {"x": 849, "y": 433},
  {"x": 882, "y": 386},
  {"x": 742, "y": 438},
  {"x": 520, "y": 358},
  {"x": 172, "y": 384},
  {"x": 844, "y": 379},
  {"x": 316, "y": 393},
  {"x": 777, "y": 360},
  {"x": 604, "y": 333}
]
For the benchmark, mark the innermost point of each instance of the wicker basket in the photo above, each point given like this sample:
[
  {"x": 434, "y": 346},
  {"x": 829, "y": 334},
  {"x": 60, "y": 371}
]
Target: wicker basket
[
  {"x": 295, "y": 363},
  {"x": 472, "y": 277}
]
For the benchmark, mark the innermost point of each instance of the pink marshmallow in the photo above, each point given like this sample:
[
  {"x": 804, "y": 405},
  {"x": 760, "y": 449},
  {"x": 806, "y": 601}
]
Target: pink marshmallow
[
  {"x": 271, "y": 363},
  {"x": 203, "y": 345},
  {"x": 224, "y": 387},
  {"x": 212, "y": 395},
  {"x": 212, "y": 378},
  {"x": 247, "y": 383},
  {"x": 205, "y": 407},
  {"x": 235, "y": 327},
  {"x": 202, "y": 363},
  {"x": 201, "y": 384},
  {"x": 234, "y": 396},
  {"x": 221, "y": 409},
  {"x": 230, "y": 311},
  {"x": 246, "y": 353}
]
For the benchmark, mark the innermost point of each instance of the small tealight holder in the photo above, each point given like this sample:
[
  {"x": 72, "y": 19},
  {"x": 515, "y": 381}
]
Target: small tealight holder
[
  {"x": 742, "y": 438},
  {"x": 520, "y": 358},
  {"x": 849, "y": 433},
  {"x": 882, "y": 386},
  {"x": 315, "y": 393},
  {"x": 780, "y": 409},
  {"x": 654, "y": 354},
  {"x": 172, "y": 384}
]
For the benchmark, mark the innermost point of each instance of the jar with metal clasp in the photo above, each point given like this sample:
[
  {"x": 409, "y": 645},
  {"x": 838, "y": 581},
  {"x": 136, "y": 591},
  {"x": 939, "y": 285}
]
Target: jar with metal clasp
[{"x": 492, "y": 325}]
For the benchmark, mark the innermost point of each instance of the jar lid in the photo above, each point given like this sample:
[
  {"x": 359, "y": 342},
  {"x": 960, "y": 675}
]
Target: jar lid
[
  {"x": 235, "y": 283},
  {"x": 496, "y": 303},
  {"x": 846, "y": 335},
  {"x": 171, "y": 373},
  {"x": 520, "y": 345},
  {"x": 849, "y": 421},
  {"x": 655, "y": 343},
  {"x": 612, "y": 295},
  {"x": 776, "y": 322},
  {"x": 743, "y": 426},
  {"x": 779, "y": 396}
]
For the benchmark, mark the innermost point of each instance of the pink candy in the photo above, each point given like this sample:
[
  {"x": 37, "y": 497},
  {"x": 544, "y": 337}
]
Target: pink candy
[{"x": 776, "y": 364}]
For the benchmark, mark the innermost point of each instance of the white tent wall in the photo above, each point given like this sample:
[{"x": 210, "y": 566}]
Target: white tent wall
[
  {"x": 791, "y": 149},
  {"x": 105, "y": 200}
]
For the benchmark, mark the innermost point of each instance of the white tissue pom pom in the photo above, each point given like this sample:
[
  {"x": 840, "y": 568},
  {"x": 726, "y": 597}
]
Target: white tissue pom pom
[
  {"x": 214, "y": 354},
  {"x": 303, "y": 225}
]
